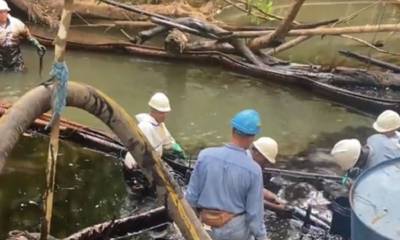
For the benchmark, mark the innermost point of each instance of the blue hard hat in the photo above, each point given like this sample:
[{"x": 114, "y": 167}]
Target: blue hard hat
[{"x": 247, "y": 122}]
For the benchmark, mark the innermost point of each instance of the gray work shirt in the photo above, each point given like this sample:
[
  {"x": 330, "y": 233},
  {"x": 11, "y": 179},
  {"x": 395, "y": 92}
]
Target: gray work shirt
[{"x": 382, "y": 148}]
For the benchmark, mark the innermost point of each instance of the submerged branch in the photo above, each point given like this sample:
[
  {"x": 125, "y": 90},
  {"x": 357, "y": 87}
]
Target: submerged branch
[
  {"x": 370, "y": 60},
  {"x": 122, "y": 226}
]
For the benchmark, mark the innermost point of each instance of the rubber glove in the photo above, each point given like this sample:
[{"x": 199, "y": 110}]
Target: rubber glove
[
  {"x": 178, "y": 150},
  {"x": 39, "y": 47}
]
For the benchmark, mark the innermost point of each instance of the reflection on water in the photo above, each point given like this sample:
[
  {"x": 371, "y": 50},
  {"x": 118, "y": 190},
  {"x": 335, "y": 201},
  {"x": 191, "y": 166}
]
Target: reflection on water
[{"x": 89, "y": 188}]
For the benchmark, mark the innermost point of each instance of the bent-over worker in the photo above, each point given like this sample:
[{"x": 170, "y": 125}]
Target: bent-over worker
[
  {"x": 264, "y": 151},
  {"x": 380, "y": 147},
  {"x": 152, "y": 125}
]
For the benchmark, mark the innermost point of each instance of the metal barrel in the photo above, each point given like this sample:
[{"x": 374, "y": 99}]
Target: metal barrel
[{"x": 374, "y": 199}]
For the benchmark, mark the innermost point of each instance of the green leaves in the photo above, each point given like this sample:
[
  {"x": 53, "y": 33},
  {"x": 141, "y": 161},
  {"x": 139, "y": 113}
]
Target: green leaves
[{"x": 263, "y": 6}]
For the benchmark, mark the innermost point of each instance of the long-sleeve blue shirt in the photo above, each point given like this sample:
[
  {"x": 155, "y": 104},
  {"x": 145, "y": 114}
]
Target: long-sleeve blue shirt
[
  {"x": 382, "y": 148},
  {"x": 226, "y": 178}
]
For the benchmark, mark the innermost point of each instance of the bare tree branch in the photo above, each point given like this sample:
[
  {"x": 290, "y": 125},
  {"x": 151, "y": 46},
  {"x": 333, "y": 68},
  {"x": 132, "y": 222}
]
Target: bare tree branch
[
  {"x": 354, "y": 14},
  {"x": 277, "y": 36},
  {"x": 288, "y": 45},
  {"x": 368, "y": 44},
  {"x": 243, "y": 9},
  {"x": 270, "y": 15}
]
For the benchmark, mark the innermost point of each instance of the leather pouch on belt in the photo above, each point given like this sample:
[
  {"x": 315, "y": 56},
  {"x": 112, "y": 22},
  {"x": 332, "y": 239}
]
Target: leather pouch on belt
[{"x": 214, "y": 218}]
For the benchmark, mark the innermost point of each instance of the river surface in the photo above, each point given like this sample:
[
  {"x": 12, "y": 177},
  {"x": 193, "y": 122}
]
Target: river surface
[{"x": 90, "y": 187}]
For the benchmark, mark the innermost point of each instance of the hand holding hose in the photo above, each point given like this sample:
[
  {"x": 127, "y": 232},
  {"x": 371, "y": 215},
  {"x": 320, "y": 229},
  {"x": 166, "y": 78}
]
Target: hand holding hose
[
  {"x": 41, "y": 50},
  {"x": 178, "y": 150}
]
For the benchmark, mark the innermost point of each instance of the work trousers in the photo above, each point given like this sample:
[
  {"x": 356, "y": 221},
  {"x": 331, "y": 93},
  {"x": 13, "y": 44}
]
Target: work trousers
[{"x": 11, "y": 59}]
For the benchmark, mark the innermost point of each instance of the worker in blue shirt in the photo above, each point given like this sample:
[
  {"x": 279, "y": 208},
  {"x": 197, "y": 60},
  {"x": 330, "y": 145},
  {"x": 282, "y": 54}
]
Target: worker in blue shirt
[
  {"x": 385, "y": 144},
  {"x": 226, "y": 185}
]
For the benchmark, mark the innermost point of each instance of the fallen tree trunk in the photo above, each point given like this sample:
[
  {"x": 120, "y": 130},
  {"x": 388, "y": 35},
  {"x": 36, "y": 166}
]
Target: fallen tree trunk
[
  {"x": 325, "y": 31},
  {"x": 195, "y": 26},
  {"x": 189, "y": 25},
  {"x": 144, "y": 24},
  {"x": 24, "y": 112},
  {"x": 206, "y": 29}
]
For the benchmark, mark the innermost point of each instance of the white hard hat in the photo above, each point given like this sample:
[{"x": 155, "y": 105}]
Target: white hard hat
[
  {"x": 387, "y": 121},
  {"x": 4, "y": 6},
  {"x": 346, "y": 152},
  {"x": 160, "y": 102},
  {"x": 268, "y": 147}
]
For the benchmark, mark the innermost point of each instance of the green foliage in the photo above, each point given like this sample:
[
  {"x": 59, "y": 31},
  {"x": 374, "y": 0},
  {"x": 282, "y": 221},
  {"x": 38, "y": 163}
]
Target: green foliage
[{"x": 263, "y": 5}]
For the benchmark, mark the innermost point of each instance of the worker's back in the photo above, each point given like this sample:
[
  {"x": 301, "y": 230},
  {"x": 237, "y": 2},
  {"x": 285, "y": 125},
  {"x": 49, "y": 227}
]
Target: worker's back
[
  {"x": 382, "y": 148},
  {"x": 226, "y": 174}
]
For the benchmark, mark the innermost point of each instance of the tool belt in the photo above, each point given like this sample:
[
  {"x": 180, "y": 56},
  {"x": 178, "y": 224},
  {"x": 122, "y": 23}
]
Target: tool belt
[{"x": 216, "y": 218}]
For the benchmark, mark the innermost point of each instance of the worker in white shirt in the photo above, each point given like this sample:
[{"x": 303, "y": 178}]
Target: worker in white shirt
[
  {"x": 12, "y": 33},
  {"x": 153, "y": 127}
]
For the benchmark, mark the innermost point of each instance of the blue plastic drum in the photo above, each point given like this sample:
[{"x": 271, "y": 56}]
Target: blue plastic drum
[{"x": 375, "y": 203}]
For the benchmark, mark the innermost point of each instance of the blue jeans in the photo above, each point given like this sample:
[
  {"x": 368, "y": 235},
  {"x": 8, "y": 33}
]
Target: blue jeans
[{"x": 235, "y": 229}]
